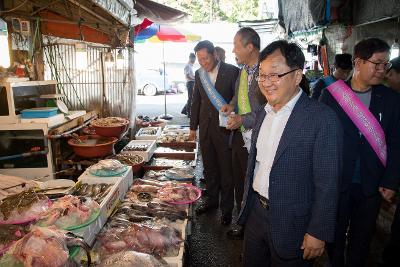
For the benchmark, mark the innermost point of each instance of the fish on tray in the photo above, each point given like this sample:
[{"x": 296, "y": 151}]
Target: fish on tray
[
  {"x": 95, "y": 191},
  {"x": 23, "y": 207},
  {"x": 178, "y": 193},
  {"x": 43, "y": 247},
  {"x": 132, "y": 258},
  {"x": 68, "y": 211},
  {"x": 159, "y": 240}
]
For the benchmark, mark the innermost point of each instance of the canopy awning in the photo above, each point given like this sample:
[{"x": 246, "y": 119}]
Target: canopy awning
[
  {"x": 100, "y": 21},
  {"x": 157, "y": 12}
]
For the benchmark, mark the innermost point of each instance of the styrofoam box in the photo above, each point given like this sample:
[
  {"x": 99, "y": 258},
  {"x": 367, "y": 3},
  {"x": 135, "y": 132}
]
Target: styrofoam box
[
  {"x": 121, "y": 185},
  {"x": 145, "y": 154},
  {"x": 140, "y": 136},
  {"x": 176, "y": 128}
]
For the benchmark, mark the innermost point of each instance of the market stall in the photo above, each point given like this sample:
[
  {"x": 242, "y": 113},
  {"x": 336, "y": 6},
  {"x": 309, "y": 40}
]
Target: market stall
[{"x": 122, "y": 208}]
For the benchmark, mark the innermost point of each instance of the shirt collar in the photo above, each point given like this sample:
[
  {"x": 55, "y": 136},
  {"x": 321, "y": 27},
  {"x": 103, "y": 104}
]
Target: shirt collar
[
  {"x": 216, "y": 67},
  {"x": 251, "y": 69},
  {"x": 289, "y": 105}
]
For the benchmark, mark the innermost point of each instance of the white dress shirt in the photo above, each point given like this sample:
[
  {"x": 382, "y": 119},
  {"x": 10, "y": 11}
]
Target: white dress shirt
[
  {"x": 267, "y": 143},
  {"x": 213, "y": 74}
]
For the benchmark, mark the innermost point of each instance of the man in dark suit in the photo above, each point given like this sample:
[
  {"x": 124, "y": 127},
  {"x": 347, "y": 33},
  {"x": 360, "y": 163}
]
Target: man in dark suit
[
  {"x": 247, "y": 101},
  {"x": 365, "y": 179},
  {"x": 214, "y": 86},
  {"x": 290, "y": 198}
]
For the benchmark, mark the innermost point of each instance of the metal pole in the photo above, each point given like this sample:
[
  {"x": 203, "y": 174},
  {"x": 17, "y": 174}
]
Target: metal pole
[
  {"x": 165, "y": 89},
  {"x": 165, "y": 116}
]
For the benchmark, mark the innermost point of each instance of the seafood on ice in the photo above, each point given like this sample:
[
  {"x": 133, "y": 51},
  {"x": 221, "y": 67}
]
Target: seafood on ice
[{"x": 68, "y": 211}]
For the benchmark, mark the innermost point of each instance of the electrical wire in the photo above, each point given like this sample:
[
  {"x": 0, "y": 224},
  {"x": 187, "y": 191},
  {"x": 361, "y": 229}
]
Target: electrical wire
[{"x": 13, "y": 9}]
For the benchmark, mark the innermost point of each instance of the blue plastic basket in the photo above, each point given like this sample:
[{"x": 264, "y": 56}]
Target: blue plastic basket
[{"x": 44, "y": 112}]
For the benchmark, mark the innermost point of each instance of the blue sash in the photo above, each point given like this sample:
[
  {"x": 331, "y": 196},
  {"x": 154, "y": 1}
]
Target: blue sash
[{"x": 215, "y": 98}]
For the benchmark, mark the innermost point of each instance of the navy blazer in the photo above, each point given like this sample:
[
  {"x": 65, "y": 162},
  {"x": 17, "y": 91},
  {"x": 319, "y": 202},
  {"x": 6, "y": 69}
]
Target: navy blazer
[
  {"x": 385, "y": 106},
  {"x": 303, "y": 183},
  {"x": 203, "y": 113}
]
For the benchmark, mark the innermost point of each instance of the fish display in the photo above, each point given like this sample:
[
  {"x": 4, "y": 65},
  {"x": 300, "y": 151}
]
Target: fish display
[
  {"x": 68, "y": 211},
  {"x": 9, "y": 233},
  {"x": 148, "y": 131},
  {"x": 95, "y": 191},
  {"x": 132, "y": 258},
  {"x": 136, "y": 147},
  {"x": 178, "y": 193},
  {"x": 23, "y": 206},
  {"x": 171, "y": 137},
  {"x": 10, "y": 185},
  {"x": 43, "y": 247},
  {"x": 161, "y": 240}
]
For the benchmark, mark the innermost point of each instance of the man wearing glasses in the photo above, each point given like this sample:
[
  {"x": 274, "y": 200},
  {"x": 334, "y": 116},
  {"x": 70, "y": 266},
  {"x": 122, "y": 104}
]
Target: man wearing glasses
[
  {"x": 291, "y": 190},
  {"x": 370, "y": 116}
]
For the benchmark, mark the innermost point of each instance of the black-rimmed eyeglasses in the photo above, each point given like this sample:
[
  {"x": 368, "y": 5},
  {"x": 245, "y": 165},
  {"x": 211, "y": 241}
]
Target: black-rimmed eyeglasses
[
  {"x": 272, "y": 77},
  {"x": 380, "y": 66}
]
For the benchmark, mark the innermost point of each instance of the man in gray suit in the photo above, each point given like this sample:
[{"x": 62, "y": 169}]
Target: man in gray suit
[
  {"x": 247, "y": 101},
  {"x": 291, "y": 188}
]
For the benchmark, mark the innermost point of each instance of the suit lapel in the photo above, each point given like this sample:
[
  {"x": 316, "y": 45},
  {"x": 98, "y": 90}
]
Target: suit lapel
[
  {"x": 376, "y": 105},
  {"x": 293, "y": 125},
  {"x": 220, "y": 76}
]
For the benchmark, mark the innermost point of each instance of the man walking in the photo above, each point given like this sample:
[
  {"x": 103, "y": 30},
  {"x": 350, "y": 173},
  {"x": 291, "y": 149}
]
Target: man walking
[
  {"x": 290, "y": 198},
  {"x": 214, "y": 87},
  {"x": 370, "y": 116},
  {"x": 247, "y": 101}
]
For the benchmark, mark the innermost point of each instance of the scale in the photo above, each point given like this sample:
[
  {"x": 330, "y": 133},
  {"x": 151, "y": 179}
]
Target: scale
[{"x": 54, "y": 100}]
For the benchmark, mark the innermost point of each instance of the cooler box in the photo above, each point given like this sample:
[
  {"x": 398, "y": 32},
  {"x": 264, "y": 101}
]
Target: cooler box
[{"x": 44, "y": 112}]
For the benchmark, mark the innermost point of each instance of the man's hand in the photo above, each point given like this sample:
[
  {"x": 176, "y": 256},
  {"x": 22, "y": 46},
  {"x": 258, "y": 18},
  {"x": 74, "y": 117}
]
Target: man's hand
[
  {"x": 227, "y": 109},
  {"x": 192, "y": 135},
  {"x": 312, "y": 247},
  {"x": 234, "y": 122},
  {"x": 387, "y": 194}
]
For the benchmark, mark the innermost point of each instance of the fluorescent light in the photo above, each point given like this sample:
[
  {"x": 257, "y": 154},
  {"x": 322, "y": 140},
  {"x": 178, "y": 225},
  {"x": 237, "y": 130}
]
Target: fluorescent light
[
  {"x": 4, "y": 48},
  {"x": 81, "y": 57},
  {"x": 395, "y": 49}
]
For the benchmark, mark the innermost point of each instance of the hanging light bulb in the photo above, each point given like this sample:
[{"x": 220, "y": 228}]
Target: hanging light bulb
[
  {"x": 4, "y": 49},
  {"x": 109, "y": 59},
  {"x": 81, "y": 56},
  {"x": 395, "y": 49},
  {"x": 120, "y": 60}
]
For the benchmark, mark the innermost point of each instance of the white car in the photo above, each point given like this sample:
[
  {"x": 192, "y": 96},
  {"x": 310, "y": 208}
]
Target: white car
[{"x": 150, "y": 82}]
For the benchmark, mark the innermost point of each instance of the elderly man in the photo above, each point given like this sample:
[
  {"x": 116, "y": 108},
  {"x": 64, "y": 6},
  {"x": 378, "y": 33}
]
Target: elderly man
[
  {"x": 370, "y": 116},
  {"x": 247, "y": 101},
  {"x": 291, "y": 188},
  {"x": 214, "y": 87}
]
